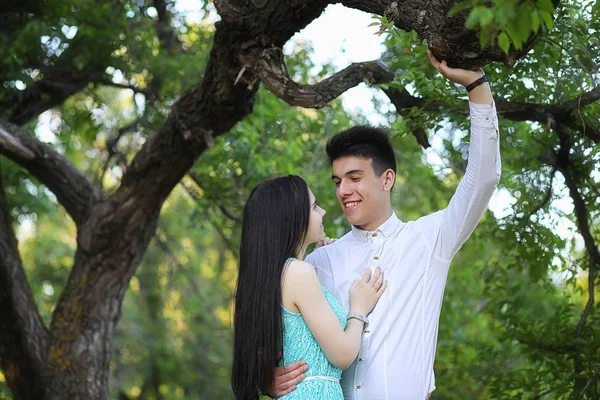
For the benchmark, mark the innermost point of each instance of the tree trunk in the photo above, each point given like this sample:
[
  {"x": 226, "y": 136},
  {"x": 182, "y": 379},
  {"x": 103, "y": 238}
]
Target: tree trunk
[{"x": 22, "y": 334}]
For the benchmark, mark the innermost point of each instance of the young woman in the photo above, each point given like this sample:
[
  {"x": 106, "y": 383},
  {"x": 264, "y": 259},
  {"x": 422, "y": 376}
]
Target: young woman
[{"x": 280, "y": 305}]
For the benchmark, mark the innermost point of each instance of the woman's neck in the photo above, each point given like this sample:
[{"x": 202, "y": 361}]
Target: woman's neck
[{"x": 300, "y": 254}]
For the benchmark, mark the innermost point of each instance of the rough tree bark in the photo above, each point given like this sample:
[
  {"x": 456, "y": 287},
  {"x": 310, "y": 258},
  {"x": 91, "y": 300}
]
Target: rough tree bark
[
  {"x": 71, "y": 360},
  {"x": 448, "y": 38},
  {"x": 23, "y": 337}
]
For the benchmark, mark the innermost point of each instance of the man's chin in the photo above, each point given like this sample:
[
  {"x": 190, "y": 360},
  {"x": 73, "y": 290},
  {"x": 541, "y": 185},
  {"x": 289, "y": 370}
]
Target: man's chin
[{"x": 353, "y": 220}]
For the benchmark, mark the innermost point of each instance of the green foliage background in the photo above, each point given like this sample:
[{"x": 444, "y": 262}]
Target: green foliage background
[{"x": 515, "y": 292}]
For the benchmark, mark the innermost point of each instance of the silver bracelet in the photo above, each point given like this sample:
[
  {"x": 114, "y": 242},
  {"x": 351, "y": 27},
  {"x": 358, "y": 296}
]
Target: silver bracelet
[{"x": 358, "y": 317}]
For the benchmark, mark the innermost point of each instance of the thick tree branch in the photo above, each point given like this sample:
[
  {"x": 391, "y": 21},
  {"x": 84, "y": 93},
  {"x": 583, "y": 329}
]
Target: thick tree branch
[
  {"x": 266, "y": 23},
  {"x": 23, "y": 337},
  {"x": 205, "y": 111},
  {"x": 72, "y": 189},
  {"x": 515, "y": 111},
  {"x": 57, "y": 85},
  {"x": 60, "y": 78},
  {"x": 578, "y": 123},
  {"x": 546, "y": 114},
  {"x": 581, "y": 101},
  {"x": 269, "y": 66},
  {"x": 448, "y": 38}
]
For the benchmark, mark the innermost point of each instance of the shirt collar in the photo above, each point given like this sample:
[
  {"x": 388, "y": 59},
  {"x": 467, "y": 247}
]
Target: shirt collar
[{"x": 386, "y": 229}]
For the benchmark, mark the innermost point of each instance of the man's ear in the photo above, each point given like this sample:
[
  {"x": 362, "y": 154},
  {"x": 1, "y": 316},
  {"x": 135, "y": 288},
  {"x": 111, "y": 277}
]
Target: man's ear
[{"x": 389, "y": 178}]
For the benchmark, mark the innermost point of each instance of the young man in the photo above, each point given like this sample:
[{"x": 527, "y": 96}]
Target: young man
[{"x": 398, "y": 344}]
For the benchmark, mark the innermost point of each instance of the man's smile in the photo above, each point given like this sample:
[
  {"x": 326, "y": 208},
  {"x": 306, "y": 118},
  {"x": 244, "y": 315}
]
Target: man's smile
[{"x": 351, "y": 204}]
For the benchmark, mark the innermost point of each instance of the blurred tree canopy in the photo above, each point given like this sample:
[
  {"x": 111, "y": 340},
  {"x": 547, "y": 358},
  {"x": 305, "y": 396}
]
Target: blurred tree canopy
[{"x": 131, "y": 134}]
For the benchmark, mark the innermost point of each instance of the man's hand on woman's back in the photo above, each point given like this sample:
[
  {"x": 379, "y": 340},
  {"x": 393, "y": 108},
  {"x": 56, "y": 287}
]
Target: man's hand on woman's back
[{"x": 286, "y": 378}]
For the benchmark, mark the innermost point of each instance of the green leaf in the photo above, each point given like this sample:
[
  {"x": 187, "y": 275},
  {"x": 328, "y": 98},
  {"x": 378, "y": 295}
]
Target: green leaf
[
  {"x": 547, "y": 18},
  {"x": 535, "y": 22},
  {"x": 514, "y": 36},
  {"x": 474, "y": 18},
  {"x": 504, "y": 42},
  {"x": 524, "y": 22},
  {"x": 484, "y": 38},
  {"x": 463, "y": 5},
  {"x": 546, "y": 5},
  {"x": 486, "y": 17}
]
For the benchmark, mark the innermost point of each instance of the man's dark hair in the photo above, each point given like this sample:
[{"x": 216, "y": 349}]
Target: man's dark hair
[{"x": 366, "y": 142}]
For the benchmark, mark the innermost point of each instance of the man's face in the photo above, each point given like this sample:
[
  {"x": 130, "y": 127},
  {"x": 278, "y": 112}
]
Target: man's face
[{"x": 363, "y": 196}]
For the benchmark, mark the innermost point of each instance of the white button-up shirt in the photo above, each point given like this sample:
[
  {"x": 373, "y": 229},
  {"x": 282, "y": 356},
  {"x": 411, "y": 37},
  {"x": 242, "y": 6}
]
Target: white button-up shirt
[{"x": 398, "y": 346}]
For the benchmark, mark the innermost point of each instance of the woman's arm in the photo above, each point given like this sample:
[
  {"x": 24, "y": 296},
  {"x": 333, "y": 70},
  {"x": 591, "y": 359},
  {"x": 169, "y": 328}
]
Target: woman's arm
[{"x": 303, "y": 288}]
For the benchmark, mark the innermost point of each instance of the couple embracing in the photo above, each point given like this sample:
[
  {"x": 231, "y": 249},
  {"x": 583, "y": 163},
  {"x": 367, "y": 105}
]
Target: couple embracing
[{"x": 358, "y": 318}]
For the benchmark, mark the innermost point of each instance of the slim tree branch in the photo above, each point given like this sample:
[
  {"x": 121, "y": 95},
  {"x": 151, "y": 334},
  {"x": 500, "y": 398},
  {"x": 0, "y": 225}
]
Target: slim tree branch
[
  {"x": 229, "y": 214},
  {"x": 167, "y": 36},
  {"x": 111, "y": 148},
  {"x": 72, "y": 189},
  {"x": 574, "y": 57},
  {"x": 172, "y": 257},
  {"x": 589, "y": 381},
  {"x": 545, "y": 199},
  {"x": 564, "y": 165},
  {"x": 547, "y": 346},
  {"x": 135, "y": 89},
  {"x": 215, "y": 226}
]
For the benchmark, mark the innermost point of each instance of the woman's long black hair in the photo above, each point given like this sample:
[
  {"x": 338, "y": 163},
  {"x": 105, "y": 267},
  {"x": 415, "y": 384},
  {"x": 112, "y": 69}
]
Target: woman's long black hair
[{"x": 275, "y": 222}]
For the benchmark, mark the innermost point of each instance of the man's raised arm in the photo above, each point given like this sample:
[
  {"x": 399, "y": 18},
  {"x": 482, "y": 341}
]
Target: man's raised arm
[{"x": 472, "y": 196}]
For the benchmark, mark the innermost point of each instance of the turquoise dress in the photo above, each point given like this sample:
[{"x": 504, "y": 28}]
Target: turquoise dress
[{"x": 322, "y": 378}]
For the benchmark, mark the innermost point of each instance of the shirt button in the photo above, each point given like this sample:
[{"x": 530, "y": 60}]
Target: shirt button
[
  {"x": 361, "y": 359},
  {"x": 357, "y": 387},
  {"x": 375, "y": 234},
  {"x": 375, "y": 258}
]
